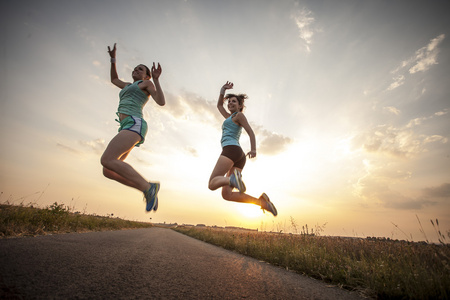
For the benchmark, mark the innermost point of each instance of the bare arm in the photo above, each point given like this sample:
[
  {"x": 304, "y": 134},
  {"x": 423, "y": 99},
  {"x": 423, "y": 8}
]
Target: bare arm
[
  {"x": 155, "y": 90},
  {"x": 114, "y": 77},
  {"x": 228, "y": 85},
  {"x": 242, "y": 120}
]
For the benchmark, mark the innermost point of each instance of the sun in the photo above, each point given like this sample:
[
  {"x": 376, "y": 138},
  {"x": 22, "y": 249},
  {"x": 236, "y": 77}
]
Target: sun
[{"x": 249, "y": 210}]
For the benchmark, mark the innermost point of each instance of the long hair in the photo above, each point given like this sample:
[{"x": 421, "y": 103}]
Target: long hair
[
  {"x": 147, "y": 71},
  {"x": 240, "y": 98}
]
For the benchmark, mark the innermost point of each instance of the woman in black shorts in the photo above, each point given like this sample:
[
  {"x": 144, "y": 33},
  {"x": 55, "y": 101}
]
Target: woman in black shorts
[{"x": 227, "y": 172}]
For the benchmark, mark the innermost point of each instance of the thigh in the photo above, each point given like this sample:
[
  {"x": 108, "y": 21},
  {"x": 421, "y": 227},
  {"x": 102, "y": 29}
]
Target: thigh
[
  {"x": 232, "y": 170},
  {"x": 121, "y": 145},
  {"x": 223, "y": 165}
]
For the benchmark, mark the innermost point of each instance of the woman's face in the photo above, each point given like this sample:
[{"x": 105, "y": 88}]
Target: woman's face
[
  {"x": 233, "y": 105},
  {"x": 139, "y": 73}
]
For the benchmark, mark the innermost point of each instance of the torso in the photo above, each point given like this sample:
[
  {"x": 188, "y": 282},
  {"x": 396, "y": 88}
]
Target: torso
[
  {"x": 231, "y": 132},
  {"x": 122, "y": 116},
  {"x": 132, "y": 100}
]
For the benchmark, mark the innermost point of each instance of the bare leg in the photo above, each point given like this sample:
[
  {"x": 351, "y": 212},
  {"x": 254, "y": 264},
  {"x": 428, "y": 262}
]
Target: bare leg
[
  {"x": 228, "y": 194},
  {"x": 224, "y": 166},
  {"x": 113, "y": 165},
  {"x": 217, "y": 179}
]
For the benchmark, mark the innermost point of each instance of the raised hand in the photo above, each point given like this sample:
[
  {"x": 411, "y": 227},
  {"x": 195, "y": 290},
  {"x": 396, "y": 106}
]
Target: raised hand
[
  {"x": 156, "y": 72},
  {"x": 228, "y": 85},
  {"x": 112, "y": 52}
]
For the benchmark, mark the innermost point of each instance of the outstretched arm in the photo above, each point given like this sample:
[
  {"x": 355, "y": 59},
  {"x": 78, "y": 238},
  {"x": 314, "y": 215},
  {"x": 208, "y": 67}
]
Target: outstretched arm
[
  {"x": 228, "y": 85},
  {"x": 242, "y": 120},
  {"x": 156, "y": 91},
  {"x": 114, "y": 77}
]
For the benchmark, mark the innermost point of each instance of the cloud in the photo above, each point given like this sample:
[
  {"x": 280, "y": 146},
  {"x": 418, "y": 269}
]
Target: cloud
[
  {"x": 426, "y": 56},
  {"x": 421, "y": 61},
  {"x": 374, "y": 188},
  {"x": 68, "y": 149},
  {"x": 441, "y": 113},
  {"x": 442, "y": 191},
  {"x": 398, "y": 142},
  {"x": 191, "y": 151},
  {"x": 416, "y": 122},
  {"x": 189, "y": 105},
  {"x": 392, "y": 110},
  {"x": 304, "y": 19},
  {"x": 271, "y": 143},
  {"x": 398, "y": 81},
  {"x": 400, "y": 202},
  {"x": 391, "y": 140},
  {"x": 97, "y": 146}
]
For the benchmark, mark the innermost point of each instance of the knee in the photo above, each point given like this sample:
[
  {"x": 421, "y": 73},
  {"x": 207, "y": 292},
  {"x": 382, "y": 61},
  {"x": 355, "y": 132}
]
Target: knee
[
  {"x": 105, "y": 162},
  {"x": 210, "y": 186},
  {"x": 226, "y": 192},
  {"x": 107, "y": 173}
]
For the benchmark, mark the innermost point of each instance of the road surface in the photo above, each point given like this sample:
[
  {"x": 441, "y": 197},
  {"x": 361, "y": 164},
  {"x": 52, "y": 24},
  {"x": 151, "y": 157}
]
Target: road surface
[{"x": 153, "y": 263}]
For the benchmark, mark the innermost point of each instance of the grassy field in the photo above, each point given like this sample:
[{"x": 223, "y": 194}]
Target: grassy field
[
  {"x": 377, "y": 268},
  {"x": 20, "y": 220}
]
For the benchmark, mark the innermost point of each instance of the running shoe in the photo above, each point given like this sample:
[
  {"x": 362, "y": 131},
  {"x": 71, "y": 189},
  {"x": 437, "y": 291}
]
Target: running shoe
[
  {"x": 155, "y": 208},
  {"x": 151, "y": 196},
  {"x": 236, "y": 181},
  {"x": 267, "y": 205}
]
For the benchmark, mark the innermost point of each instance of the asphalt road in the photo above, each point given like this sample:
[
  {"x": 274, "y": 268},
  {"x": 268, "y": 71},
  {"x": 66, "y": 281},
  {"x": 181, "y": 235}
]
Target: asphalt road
[{"x": 154, "y": 263}]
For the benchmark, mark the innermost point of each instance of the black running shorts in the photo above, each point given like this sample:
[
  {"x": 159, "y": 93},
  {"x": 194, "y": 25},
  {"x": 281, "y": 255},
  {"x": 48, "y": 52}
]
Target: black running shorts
[{"x": 236, "y": 154}]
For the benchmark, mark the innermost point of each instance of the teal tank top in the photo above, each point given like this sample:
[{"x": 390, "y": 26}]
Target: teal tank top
[
  {"x": 132, "y": 100},
  {"x": 231, "y": 132}
]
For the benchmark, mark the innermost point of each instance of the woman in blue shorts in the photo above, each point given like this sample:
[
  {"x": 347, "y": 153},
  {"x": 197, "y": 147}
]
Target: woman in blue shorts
[
  {"x": 227, "y": 172},
  {"x": 133, "y": 128}
]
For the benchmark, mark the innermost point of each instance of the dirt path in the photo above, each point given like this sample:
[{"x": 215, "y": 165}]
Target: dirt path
[{"x": 153, "y": 263}]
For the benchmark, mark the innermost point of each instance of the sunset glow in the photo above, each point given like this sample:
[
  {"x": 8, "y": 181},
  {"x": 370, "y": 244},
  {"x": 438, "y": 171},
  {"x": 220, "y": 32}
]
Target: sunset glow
[{"x": 349, "y": 104}]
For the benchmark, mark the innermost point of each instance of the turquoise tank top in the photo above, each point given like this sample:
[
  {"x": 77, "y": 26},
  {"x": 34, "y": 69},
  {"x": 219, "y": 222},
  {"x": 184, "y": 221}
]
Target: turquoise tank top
[
  {"x": 231, "y": 132},
  {"x": 132, "y": 100}
]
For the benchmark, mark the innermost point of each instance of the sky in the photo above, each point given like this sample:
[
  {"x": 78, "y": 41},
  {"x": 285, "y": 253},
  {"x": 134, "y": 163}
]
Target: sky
[{"x": 349, "y": 101}]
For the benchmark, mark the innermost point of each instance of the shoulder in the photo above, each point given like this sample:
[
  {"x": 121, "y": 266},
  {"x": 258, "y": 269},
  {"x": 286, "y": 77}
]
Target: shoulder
[
  {"x": 240, "y": 119},
  {"x": 239, "y": 116},
  {"x": 147, "y": 83}
]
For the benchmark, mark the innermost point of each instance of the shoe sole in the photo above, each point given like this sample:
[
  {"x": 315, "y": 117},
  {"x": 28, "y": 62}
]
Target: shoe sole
[
  {"x": 272, "y": 208},
  {"x": 155, "y": 208}
]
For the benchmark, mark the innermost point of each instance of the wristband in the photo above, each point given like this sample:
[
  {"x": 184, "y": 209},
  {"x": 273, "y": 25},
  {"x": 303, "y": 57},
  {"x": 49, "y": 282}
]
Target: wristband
[
  {"x": 113, "y": 60},
  {"x": 222, "y": 91}
]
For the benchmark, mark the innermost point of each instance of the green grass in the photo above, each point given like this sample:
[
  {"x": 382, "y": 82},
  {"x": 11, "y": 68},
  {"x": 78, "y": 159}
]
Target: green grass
[
  {"x": 20, "y": 220},
  {"x": 376, "y": 268}
]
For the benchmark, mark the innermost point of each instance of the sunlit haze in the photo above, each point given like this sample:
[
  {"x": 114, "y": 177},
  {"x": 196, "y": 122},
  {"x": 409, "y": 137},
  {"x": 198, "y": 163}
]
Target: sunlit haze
[{"x": 349, "y": 101}]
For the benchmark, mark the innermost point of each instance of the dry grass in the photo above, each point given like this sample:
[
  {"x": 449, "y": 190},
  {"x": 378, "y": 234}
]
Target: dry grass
[
  {"x": 20, "y": 220},
  {"x": 377, "y": 268}
]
